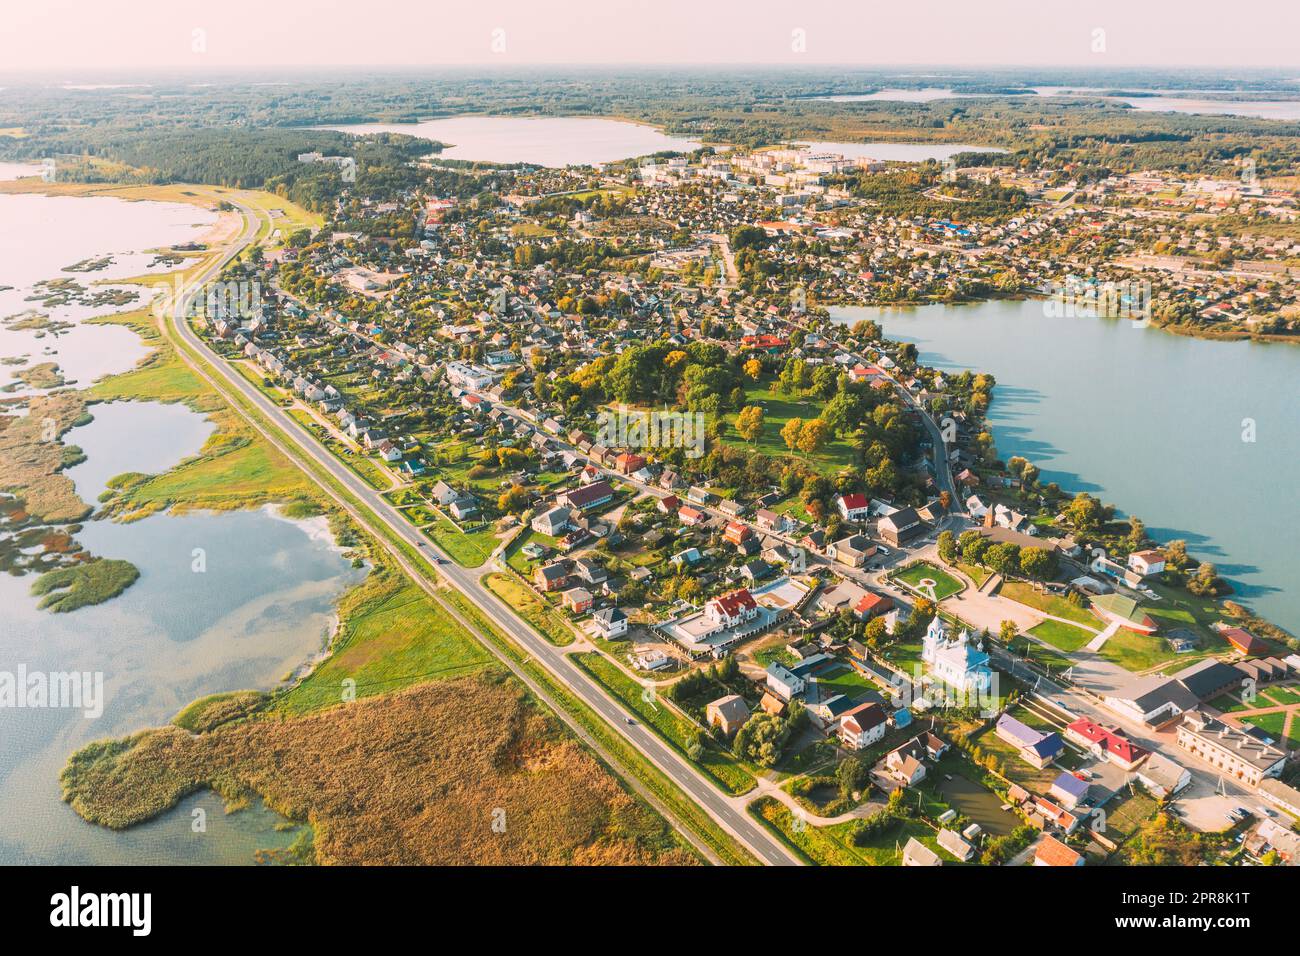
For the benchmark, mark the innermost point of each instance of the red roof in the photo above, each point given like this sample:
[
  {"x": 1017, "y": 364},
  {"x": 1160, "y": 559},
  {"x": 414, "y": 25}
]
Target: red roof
[
  {"x": 854, "y": 501},
  {"x": 1243, "y": 640},
  {"x": 865, "y": 716},
  {"x": 1112, "y": 741},
  {"x": 869, "y": 602},
  {"x": 735, "y": 602},
  {"x": 1052, "y": 852}
]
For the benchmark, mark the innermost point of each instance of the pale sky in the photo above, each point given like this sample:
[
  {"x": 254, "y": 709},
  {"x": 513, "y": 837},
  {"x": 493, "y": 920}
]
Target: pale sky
[{"x": 95, "y": 35}]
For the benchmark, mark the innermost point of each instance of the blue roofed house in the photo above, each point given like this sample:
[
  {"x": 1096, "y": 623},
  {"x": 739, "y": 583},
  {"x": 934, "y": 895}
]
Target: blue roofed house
[
  {"x": 1068, "y": 790},
  {"x": 1035, "y": 747}
]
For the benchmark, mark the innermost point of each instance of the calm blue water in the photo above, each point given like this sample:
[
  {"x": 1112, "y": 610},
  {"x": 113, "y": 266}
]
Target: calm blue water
[{"x": 1146, "y": 420}]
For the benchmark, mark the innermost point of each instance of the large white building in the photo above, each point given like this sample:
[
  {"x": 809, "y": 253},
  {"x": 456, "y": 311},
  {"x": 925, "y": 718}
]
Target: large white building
[{"x": 956, "y": 662}]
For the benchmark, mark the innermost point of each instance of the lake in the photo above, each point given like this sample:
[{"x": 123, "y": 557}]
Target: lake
[
  {"x": 540, "y": 140},
  {"x": 40, "y": 236},
  {"x": 1149, "y": 421},
  {"x": 262, "y": 607},
  {"x": 1162, "y": 101}
]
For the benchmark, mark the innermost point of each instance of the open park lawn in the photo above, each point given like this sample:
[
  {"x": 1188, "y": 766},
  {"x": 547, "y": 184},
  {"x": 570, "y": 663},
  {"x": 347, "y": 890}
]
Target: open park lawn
[
  {"x": 778, "y": 409},
  {"x": 1048, "y": 603},
  {"x": 1065, "y": 637},
  {"x": 944, "y": 584},
  {"x": 1137, "y": 652}
]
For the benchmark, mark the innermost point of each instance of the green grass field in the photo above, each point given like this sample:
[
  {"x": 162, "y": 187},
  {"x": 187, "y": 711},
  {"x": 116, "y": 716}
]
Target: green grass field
[
  {"x": 392, "y": 635},
  {"x": 779, "y": 409},
  {"x": 1023, "y": 593},
  {"x": 1137, "y": 652},
  {"x": 469, "y": 549},
  {"x": 945, "y": 585},
  {"x": 1065, "y": 637},
  {"x": 845, "y": 680},
  {"x": 531, "y": 608}
]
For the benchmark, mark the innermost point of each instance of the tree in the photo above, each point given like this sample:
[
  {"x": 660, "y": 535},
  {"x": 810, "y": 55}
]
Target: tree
[
  {"x": 1004, "y": 558},
  {"x": 761, "y": 739},
  {"x": 514, "y": 500},
  {"x": 876, "y": 632},
  {"x": 1008, "y": 631},
  {"x": 790, "y": 433},
  {"x": 1176, "y": 553},
  {"x": 754, "y": 368},
  {"x": 852, "y": 776},
  {"x": 1084, "y": 512},
  {"x": 812, "y": 436},
  {"x": 947, "y": 544},
  {"x": 749, "y": 423},
  {"x": 1037, "y": 563}
]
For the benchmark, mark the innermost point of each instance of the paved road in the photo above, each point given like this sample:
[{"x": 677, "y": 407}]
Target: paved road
[{"x": 728, "y": 812}]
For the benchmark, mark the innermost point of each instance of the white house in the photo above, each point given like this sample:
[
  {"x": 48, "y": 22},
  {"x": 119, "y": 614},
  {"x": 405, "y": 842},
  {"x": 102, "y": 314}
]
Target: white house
[
  {"x": 854, "y": 507},
  {"x": 611, "y": 622},
  {"x": 732, "y": 610},
  {"x": 863, "y": 726},
  {"x": 1146, "y": 563},
  {"x": 784, "y": 682}
]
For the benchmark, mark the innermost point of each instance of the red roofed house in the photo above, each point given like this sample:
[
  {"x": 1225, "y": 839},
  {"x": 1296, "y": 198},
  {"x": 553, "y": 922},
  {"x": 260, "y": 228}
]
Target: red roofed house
[
  {"x": 628, "y": 462},
  {"x": 732, "y": 609},
  {"x": 863, "y": 726},
  {"x": 1146, "y": 563},
  {"x": 736, "y": 532},
  {"x": 690, "y": 516},
  {"x": 1243, "y": 640},
  {"x": 668, "y": 504},
  {"x": 1052, "y": 852},
  {"x": 853, "y": 507},
  {"x": 870, "y": 605},
  {"x": 1106, "y": 742}
]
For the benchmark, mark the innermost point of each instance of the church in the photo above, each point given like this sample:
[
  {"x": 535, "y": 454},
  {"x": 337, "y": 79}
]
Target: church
[{"x": 956, "y": 662}]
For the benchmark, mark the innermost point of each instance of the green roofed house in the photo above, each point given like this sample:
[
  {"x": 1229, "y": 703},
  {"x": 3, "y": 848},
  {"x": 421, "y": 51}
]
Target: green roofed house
[{"x": 1124, "y": 611}]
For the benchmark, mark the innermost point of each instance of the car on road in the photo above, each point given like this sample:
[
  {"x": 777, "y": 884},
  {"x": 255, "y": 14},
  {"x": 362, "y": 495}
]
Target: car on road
[{"x": 630, "y": 721}]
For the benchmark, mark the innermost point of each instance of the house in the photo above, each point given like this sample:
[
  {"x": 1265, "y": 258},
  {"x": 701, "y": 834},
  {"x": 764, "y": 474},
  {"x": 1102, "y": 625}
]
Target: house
[
  {"x": 690, "y": 516},
  {"x": 956, "y": 844},
  {"x": 611, "y": 622},
  {"x": 872, "y": 605},
  {"x": 1243, "y": 640},
  {"x": 668, "y": 504},
  {"x": 1234, "y": 752},
  {"x": 1043, "y": 813},
  {"x": 551, "y": 577},
  {"x": 852, "y": 551},
  {"x": 444, "y": 493},
  {"x": 589, "y": 571},
  {"x": 1034, "y": 746},
  {"x": 1108, "y": 742},
  {"x": 465, "y": 506},
  {"x": 906, "y": 763},
  {"x": 1052, "y": 852},
  {"x": 916, "y": 853},
  {"x": 784, "y": 682},
  {"x": 553, "y": 522},
  {"x": 577, "y": 600},
  {"x": 956, "y": 662},
  {"x": 901, "y": 526},
  {"x": 629, "y": 462},
  {"x": 733, "y": 609},
  {"x": 736, "y": 532},
  {"x": 1280, "y": 795},
  {"x": 863, "y": 726},
  {"x": 772, "y": 522},
  {"x": 588, "y": 496},
  {"x": 1146, "y": 563},
  {"x": 1162, "y": 776},
  {"x": 854, "y": 507},
  {"x": 686, "y": 557},
  {"x": 730, "y": 713},
  {"x": 1271, "y": 837},
  {"x": 701, "y": 496},
  {"x": 1068, "y": 790}
]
